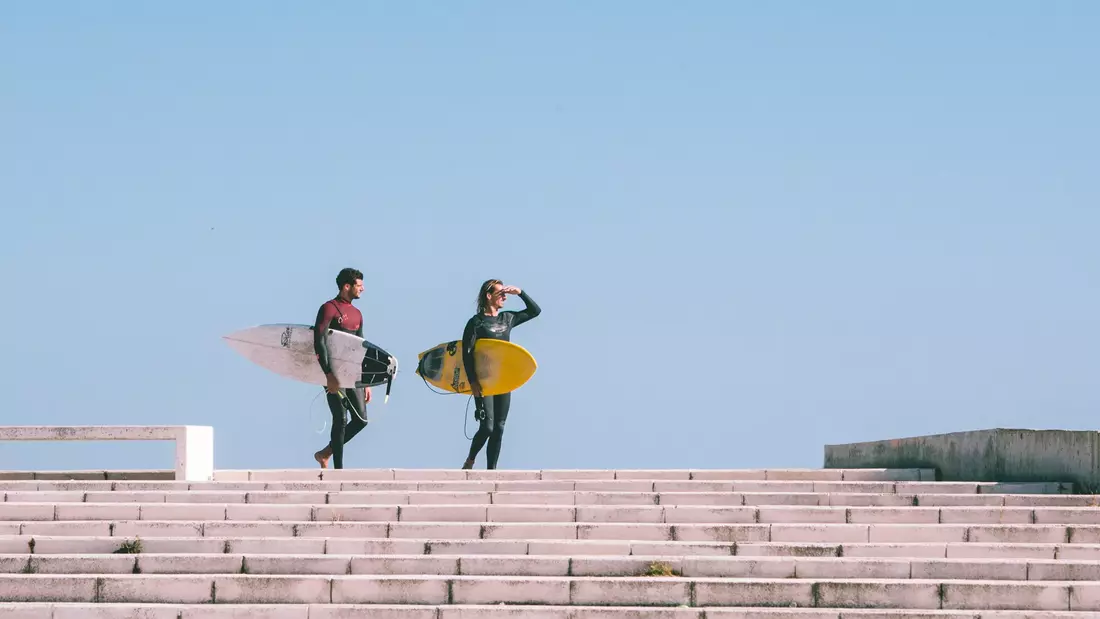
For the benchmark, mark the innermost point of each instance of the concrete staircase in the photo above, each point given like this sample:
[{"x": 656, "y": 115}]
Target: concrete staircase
[{"x": 450, "y": 544}]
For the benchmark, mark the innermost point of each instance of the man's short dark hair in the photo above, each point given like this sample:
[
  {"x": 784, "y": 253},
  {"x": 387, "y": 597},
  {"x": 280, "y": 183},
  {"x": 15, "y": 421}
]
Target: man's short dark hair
[{"x": 348, "y": 276}]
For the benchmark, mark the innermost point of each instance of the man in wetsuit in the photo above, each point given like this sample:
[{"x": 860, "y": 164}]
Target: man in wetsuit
[
  {"x": 339, "y": 313},
  {"x": 490, "y": 322}
]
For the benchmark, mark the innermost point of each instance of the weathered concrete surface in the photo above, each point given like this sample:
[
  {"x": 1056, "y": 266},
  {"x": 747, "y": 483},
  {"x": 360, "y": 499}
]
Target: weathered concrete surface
[{"x": 994, "y": 455}]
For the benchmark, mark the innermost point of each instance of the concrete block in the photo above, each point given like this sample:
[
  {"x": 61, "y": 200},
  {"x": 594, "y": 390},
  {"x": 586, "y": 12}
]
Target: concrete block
[
  {"x": 406, "y": 565},
  {"x": 355, "y": 513},
  {"x": 617, "y": 567},
  {"x": 390, "y": 590},
  {"x": 1084, "y": 597},
  {"x": 716, "y": 592},
  {"x": 577, "y": 475},
  {"x": 729, "y": 474},
  {"x": 510, "y": 590},
  {"x": 73, "y": 564},
  {"x": 521, "y": 513},
  {"x": 230, "y": 475},
  {"x": 969, "y": 569},
  {"x": 267, "y": 497},
  {"x": 218, "y": 498},
  {"x": 579, "y": 547},
  {"x": 249, "y": 529},
  {"x": 142, "y": 485},
  {"x": 791, "y": 514},
  {"x": 909, "y": 595},
  {"x": 156, "y": 589},
  {"x": 774, "y": 487},
  {"x": 201, "y": 564},
  {"x": 268, "y": 513},
  {"x": 476, "y": 547},
  {"x": 8, "y": 530},
  {"x": 450, "y": 498},
  {"x": 248, "y": 611},
  {"x": 719, "y": 499},
  {"x": 1064, "y": 515},
  {"x": 986, "y": 515},
  {"x": 45, "y": 497},
  {"x": 935, "y": 487},
  {"x": 429, "y": 474},
  {"x": 653, "y": 475},
  {"x": 1062, "y": 569},
  {"x": 1024, "y": 488},
  {"x": 342, "y": 475},
  {"x": 253, "y": 589},
  {"x": 681, "y": 549},
  {"x": 768, "y": 549},
  {"x": 916, "y": 533},
  {"x": 692, "y": 486},
  {"x": 630, "y": 514},
  {"x": 630, "y": 592},
  {"x": 82, "y": 529},
  {"x": 1073, "y": 552},
  {"x": 530, "y": 531},
  {"x": 157, "y": 528},
  {"x": 904, "y": 550},
  {"x": 369, "y": 498},
  {"x": 125, "y": 497},
  {"x": 116, "y": 611},
  {"x": 862, "y": 568},
  {"x": 821, "y": 533},
  {"x": 21, "y": 512},
  {"x": 612, "y": 487},
  {"x": 867, "y": 499},
  {"x": 1019, "y": 534},
  {"x": 338, "y": 546},
  {"x": 532, "y": 498},
  {"x": 704, "y": 514},
  {"x": 854, "y": 487},
  {"x": 181, "y": 511},
  {"x": 1001, "y": 551},
  {"x": 344, "y": 529},
  {"x": 1084, "y": 534},
  {"x": 75, "y": 486},
  {"x": 803, "y": 474},
  {"x": 64, "y": 545},
  {"x": 380, "y": 611},
  {"x": 784, "y": 498},
  {"x": 1047, "y": 500},
  {"x": 625, "y": 531},
  {"x": 47, "y": 588},
  {"x": 963, "y": 595},
  {"x": 97, "y": 511},
  {"x": 274, "y": 545},
  {"x": 881, "y": 474},
  {"x": 433, "y": 530},
  {"x": 535, "y": 486},
  {"x": 284, "y": 475},
  {"x": 614, "y": 498},
  {"x": 300, "y": 487},
  {"x": 443, "y": 513},
  {"x": 501, "y": 475},
  {"x": 893, "y": 515},
  {"x": 722, "y": 532},
  {"x": 738, "y": 567},
  {"x": 960, "y": 500},
  {"x": 515, "y": 565},
  {"x": 380, "y": 487}
]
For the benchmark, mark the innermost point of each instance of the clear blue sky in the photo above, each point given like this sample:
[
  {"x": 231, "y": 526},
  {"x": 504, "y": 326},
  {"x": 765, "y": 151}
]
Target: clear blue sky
[{"x": 753, "y": 228}]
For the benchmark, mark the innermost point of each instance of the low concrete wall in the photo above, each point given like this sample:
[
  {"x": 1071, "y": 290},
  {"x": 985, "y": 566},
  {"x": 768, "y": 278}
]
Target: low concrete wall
[{"x": 1000, "y": 454}]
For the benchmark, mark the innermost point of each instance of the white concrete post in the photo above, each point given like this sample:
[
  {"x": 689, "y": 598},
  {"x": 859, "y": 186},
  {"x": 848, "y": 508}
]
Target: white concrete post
[{"x": 195, "y": 453}]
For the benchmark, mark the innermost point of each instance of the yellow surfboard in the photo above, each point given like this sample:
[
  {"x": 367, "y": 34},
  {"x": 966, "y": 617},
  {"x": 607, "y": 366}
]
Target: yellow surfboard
[{"x": 502, "y": 366}]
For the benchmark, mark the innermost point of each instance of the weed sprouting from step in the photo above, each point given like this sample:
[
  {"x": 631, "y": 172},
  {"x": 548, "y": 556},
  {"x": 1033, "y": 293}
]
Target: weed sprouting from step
[
  {"x": 660, "y": 569},
  {"x": 29, "y": 568},
  {"x": 30, "y": 545},
  {"x": 129, "y": 548}
]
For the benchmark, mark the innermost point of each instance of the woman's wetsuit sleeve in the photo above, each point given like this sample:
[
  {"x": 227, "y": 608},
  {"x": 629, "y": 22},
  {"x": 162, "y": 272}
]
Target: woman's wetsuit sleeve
[
  {"x": 468, "y": 341},
  {"x": 527, "y": 313},
  {"x": 320, "y": 336}
]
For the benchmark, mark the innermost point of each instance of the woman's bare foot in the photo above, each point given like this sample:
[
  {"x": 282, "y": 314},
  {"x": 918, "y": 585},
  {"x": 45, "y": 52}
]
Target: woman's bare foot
[
  {"x": 322, "y": 458},
  {"x": 469, "y": 464}
]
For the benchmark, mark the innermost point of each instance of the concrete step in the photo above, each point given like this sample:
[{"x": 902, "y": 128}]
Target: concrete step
[
  {"x": 349, "y": 543},
  {"x": 554, "y": 565},
  {"x": 913, "y": 594},
  {"x": 22, "y": 512},
  {"x": 594, "y": 485},
  {"x": 473, "y": 611},
  {"x": 789, "y": 474},
  {"x": 427, "y": 524}
]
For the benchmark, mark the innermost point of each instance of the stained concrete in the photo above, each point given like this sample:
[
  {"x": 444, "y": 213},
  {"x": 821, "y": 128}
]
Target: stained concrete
[{"x": 994, "y": 455}]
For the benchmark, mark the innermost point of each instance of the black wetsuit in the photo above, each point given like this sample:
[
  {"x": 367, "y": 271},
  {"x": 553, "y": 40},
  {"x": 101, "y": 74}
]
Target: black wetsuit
[
  {"x": 339, "y": 315},
  {"x": 494, "y": 408}
]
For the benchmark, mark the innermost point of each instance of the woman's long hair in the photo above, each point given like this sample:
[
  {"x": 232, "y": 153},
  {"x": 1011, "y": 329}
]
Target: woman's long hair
[{"x": 482, "y": 302}]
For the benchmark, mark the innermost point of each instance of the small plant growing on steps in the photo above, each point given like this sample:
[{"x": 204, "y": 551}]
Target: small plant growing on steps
[
  {"x": 129, "y": 548},
  {"x": 660, "y": 568}
]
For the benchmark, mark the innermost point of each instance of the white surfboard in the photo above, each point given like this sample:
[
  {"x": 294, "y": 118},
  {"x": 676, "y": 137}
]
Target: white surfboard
[{"x": 287, "y": 350}]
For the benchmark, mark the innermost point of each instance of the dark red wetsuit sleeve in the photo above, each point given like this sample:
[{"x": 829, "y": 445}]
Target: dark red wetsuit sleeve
[{"x": 325, "y": 315}]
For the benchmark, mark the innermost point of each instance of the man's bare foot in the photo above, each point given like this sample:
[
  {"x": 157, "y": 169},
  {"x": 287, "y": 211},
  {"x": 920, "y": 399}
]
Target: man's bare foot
[{"x": 322, "y": 458}]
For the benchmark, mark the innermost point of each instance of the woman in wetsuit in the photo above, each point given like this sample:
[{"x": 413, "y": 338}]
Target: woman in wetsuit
[{"x": 492, "y": 323}]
